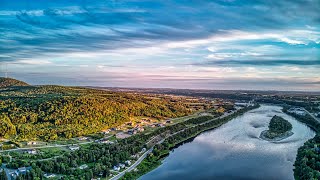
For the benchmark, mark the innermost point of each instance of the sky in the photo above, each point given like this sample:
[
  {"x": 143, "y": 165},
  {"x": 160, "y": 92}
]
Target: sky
[{"x": 194, "y": 44}]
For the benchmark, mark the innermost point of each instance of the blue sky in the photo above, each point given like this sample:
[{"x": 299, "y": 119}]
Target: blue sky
[{"x": 221, "y": 44}]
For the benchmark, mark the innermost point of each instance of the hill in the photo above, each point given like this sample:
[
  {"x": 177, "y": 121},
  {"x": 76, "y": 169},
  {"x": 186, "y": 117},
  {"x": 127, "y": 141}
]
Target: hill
[
  {"x": 9, "y": 82},
  {"x": 54, "y": 112}
]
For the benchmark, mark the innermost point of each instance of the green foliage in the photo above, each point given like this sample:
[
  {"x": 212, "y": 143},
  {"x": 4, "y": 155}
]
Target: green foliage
[
  {"x": 3, "y": 175},
  {"x": 277, "y": 127},
  {"x": 54, "y": 112}
]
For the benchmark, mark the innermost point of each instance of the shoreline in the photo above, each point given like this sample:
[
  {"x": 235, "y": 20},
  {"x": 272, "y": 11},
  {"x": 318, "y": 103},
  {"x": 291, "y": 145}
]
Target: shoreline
[
  {"x": 276, "y": 139},
  {"x": 165, "y": 153}
]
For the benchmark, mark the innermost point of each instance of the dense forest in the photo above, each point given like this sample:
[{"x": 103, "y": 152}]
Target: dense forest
[
  {"x": 307, "y": 164},
  {"x": 277, "y": 127},
  {"x": 52, "y": 112}
]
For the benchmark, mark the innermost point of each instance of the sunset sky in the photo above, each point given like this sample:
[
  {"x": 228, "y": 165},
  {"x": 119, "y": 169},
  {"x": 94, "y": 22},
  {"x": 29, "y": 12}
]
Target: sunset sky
[{"x": 218, "y": 44}]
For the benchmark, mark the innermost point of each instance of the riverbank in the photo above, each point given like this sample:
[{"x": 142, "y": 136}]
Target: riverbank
[
  {"x": 308, "y": 154},
  {"x": 276, "y": 139},
  {"x": 162, "y": 150}
]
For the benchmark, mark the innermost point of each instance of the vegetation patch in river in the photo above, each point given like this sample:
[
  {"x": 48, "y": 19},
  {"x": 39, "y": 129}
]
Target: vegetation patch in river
[{"x": 279, "y": 129}]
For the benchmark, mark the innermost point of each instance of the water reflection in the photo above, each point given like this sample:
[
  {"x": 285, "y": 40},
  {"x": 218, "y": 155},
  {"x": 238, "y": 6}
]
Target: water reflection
[{"x": 235, "y": 151}]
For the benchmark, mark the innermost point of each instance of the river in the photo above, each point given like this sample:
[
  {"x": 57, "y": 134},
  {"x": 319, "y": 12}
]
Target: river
[{"x": 234, "y": 151}]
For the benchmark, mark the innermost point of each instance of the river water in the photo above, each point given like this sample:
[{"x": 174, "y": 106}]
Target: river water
[{"x": 234, "y": 151}]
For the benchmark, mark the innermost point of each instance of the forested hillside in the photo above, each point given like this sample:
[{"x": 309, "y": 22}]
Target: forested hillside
[
  {"x": 52, "y": 112},
  {"x": 8, "y": 82}
]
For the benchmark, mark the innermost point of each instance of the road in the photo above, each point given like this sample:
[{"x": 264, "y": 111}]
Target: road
[
  {"x": 312, "y": 115},
  {"x": 118, "y": 176},
  {"x": 50, "y": 146},
  {"x": 134, "y": 165},
  {"x": 41, "y": 147}
]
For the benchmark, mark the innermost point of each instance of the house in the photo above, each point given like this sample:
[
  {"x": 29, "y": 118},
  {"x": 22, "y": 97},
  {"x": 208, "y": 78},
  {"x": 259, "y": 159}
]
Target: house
[
  {"x": 31, "y": 151},
  {"x": 73, "y": 148},
  {"x": 22, "y": 170},
  {"x": 31, "y": 143},
  {"x": 106, "y": 131},
  {"x": 47, "y": 175},
  {"x": 128, "y": 162},
  {"x": 143, "y": 149},
  {"x": 84, "y": 166},
  {"x": 122, "y": 165},
  {"x": 116, "y": 168}
]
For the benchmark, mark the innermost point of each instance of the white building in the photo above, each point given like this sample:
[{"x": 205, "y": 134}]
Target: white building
[
  {"x": 128, "y": 162},
  {"x": 31, "y": 143},
  {"x": 122, "y": 165},
  {"x": 116, "y": 168}
]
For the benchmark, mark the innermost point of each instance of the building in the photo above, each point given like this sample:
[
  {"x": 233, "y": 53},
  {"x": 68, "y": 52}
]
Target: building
[
  {"x": 73, "y": 148},
  {"x": 106, "y": 131},
  {"x": 128, "y": 162},
  {"x": 31, "y": 143},
  {"x": 121, "y": 165},
  {"x": 116, "y": 168},
  {"x": 298, "y": 111}
]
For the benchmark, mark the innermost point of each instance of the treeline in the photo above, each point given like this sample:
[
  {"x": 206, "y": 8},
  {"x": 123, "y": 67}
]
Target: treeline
[
  {"x": 307, "y": 164},
  {"x": 52, "y": 112},
  {"x": 161, "y": 150},
  {"x": 279, "y": 125}
]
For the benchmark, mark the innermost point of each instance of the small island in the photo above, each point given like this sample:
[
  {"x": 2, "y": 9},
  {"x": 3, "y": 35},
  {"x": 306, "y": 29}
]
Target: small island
[{"x": 279, "y": 129}]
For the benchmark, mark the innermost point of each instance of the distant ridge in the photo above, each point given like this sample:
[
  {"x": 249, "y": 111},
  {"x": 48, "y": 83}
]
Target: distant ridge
[{"x": 9, "y": 82}]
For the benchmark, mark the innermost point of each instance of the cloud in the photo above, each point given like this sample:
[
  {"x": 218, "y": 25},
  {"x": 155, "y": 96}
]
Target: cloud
[
  {"x": 131, "y": 36},
  {"x": 262, "y": 62},
  {"x": 33, "y": 62},
  {"x": 95, "y": 26}
]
